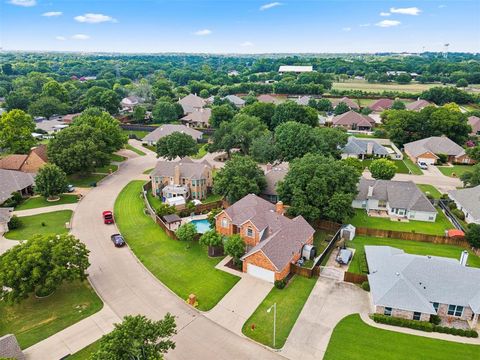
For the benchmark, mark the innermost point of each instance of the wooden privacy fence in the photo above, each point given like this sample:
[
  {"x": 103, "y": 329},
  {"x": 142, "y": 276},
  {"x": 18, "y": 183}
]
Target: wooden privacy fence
[
  {"x": 153, "y": 215},
  {"x": 305, "y": 272},
  {"x": 354, "y": 278}
]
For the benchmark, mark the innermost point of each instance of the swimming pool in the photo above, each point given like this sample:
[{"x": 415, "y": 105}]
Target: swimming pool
[{"x": 202, "y": 225}]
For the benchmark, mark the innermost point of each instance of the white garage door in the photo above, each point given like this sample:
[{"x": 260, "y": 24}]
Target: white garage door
[
  {"x": 427, "y": 161},
  {"x": 261, "y": 273}
]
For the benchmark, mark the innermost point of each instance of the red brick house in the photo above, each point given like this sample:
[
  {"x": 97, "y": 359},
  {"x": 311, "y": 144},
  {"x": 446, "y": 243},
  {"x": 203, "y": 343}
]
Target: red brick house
[
  {"x": 273, "y": 240},
  {"x": 352, "y": 120},
  {"x": 381, "y": 105}
]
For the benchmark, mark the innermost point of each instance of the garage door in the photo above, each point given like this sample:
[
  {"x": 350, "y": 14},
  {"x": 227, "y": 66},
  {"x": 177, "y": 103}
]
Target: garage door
[
  {"x": 428, "y": 161},
  {"x": 261, "y": 273}
]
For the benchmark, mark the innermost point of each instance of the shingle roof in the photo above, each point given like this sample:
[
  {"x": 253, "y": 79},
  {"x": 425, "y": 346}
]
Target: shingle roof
[
  {"x": 169, "y": 129},
  {"x": 50, "y": 125},
  {"x": 12, "y": 181},
  {"x": 5, "y": 215},
  {"x": 414, "y": 282},
  {"x": 303, "y": 100},
  {"x": 41, "y": 152},
  {"x": 199, "y": 116},
  {"x": 381, "y": 104},
  {"x": 13, "y": 162},
  {"x": 352, "y": 117},
  {"x": 191, "y": 102},
  {"x": 188, "y": 168},
  {"x": 273, "y": 176},
  {"x": 417, "y": 105},
  {"x": 265, "y": 98},
  {"x": 474, "y": 122},
  {"x": 358, "y": 146},
  {"x": 469, "y": 198},
  {"x": 234, "y": 99},
  {"x": 399, "y": 194},
  {"x": 349, "y": 102},
  {"x": 435, "y": 145}
]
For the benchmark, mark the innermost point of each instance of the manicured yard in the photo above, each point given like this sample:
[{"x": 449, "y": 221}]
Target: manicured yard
[
  {"x": 154, "y": 201},
  {"x": 455, "y": 170},
  {"x": 39, "y": 201},
  {"x": 432, "y": 190},
  {"x": 86, "y": 352},
  {"x": 414, "y": 169},
  {"x": 84, "y": 180},
  {"x": 54, "y": 223},
  {"x": 106, "y": 169},
  {"x": 412, "y": 247},
  {"x": 401, "y": 167},
  {"x": 363, "y": 85},
  {"x": 138, "y": 133},
  {"x": 135, "y": 150},
  {"x": 361, "y": 219},
  {"x": 117, "y": 158},
  {"x": 212, "y": 198},
  {"x": 352, "y": 339},
  {"x": 33, "y": 320},
  {"x": 184, "y": 267},
  {"x": 290, "y": 302}
]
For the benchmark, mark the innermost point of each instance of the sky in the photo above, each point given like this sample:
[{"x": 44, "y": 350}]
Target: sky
[{"x": 240, "y": 26}]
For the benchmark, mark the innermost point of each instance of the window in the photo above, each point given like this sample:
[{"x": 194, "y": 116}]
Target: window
[
  {"x": 435, "y": 306},
  {"x": 224, "y": 223},
  {"x": 416, "y": 315},
  {"x": 382, "y": 204},
  {"x": 387, "y": 311},
  {"x": 430, "y": 218},
  {"x": 455, "y": 310},
  {"x": 249, "y": 232}
]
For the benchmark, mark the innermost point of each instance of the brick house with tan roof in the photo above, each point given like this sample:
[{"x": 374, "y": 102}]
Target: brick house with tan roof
[
  {"x": 31, "y": 163},
  {"x": 474, "y": 122},
  {"x": 273, "y": 240},
  {"x": 352, "y": 120}
]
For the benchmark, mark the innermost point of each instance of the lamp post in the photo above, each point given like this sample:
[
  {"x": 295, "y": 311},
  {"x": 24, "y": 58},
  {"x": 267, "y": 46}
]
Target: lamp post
[{"x": 274, "y": 306}]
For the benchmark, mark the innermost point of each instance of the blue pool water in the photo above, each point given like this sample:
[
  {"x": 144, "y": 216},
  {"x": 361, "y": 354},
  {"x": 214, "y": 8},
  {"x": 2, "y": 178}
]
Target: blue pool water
[{"x": 202, "y": 225}]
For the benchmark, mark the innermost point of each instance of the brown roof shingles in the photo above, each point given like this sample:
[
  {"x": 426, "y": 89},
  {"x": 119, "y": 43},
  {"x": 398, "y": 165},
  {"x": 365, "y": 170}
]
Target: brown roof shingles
[{"x": 352, "y": 117}]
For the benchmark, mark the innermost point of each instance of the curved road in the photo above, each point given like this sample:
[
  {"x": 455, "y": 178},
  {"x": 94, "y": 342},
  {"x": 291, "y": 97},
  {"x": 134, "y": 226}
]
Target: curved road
[{"x": 126, "y": 287}]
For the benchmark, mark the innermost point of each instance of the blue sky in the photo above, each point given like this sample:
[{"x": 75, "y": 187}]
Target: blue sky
[{"x": 239, "y": 26}]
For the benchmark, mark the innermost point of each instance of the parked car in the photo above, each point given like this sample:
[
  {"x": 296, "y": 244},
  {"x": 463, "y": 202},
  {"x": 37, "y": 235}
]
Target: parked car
[
  {"x": 117, "y": 240},
  {"x": 107, "y": 217},
  {"x": 70, "y": 188},
  {"x": 422, "y": 165}
]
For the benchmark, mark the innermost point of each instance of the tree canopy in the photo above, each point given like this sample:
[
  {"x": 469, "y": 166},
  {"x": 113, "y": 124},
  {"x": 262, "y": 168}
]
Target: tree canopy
[
  {"x": 176, "y": 144},
  {"x": 382, "y": 169},
  {"x": 50, "y": 181},
  {"x": 16, "y": 129},
  {"x": 291, "y": 111}
]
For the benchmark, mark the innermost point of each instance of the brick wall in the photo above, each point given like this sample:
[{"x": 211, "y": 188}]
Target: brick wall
[
  {"x": 404, "y": 314},
  {"x": 443, "y": 313},
  {"x": 218, "y": 225}
]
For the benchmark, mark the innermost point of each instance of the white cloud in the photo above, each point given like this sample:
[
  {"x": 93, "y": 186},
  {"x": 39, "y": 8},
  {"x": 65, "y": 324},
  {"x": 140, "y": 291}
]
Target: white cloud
[
  {"x": 60, "y": 38},
  {"x": 347, "y": 29},
  {"x": 270, "y": 5},
  {"x": 246, "y": 44},
  {"x": 203, "y": 32},
  {"x": 442, "y": 6},
  {"x": 383, "y": 13},
  {"x": 52, "y": 13},
  {"x": 94, "y": 18},
  {"x": 80, "y": 37},
  {"x": 406, "y": 11},
  {"x": 25, "y": 3},
  {"x": 388, "y": 23},
  {"x": 365, "y": 25}
]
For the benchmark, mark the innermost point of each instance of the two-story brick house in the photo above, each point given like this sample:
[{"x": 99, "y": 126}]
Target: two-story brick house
[
  {"x": 186, "y": 178},
  {"x": 273, "y": 240}
]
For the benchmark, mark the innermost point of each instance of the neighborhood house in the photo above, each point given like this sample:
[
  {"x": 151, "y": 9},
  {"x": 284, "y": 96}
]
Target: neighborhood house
[
  {"x": 417, "y": 105},
  {"x": 347, "y": 101},
  {"x": 352, "y": 120},
  {"x": 381, "y": 105},
  {"x": 415, "y": 286},
  {"x": 273, "y": 175},
  {"x": 31, "y": 163},
  {"x": 428, "y": 149},
  {"x": 363, "y": 148},
  {"x": 198, "y": 119},
  {"x": 474, "y": 122},
  {"x": 295, "y": 69},
  {"x": 15, "y": 181},
  {"x": 394, "y": 199},
  {"x": 168, "y": 129},
  {"x": 273, "y": 240},
  {"x": 191, "y": 103},
  {"x": 468, "y": 201}
]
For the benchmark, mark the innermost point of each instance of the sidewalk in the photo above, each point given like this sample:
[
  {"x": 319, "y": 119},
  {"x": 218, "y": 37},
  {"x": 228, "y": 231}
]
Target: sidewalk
[
  {"x": 46, "y": 209},
  {"x": 75, "y": 337},
  {"x": 6, "y": 244}
]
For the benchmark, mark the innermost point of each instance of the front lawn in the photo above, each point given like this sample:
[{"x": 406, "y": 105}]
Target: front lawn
[
  {"x": 107, "y": 169},
  {"x": 39, "y": 201},
  {"x": 401, "y": 167},
  {"x": 212, "y": 198},
  {"x": 79, "y": 180},
  {"x": 117, "y": 158},
  {"x": 290, "y": 302},
  {"x": 202, "y": 151},
  {"x": 33, "y": 320},
  {"x": 135, "y": 150},
  {"x": 87, "y": 352},
  {"x": 358, "y": 264},
  {"x": 414, "y": 169},
  {"x": 432, "y": 190},
  {"x": 42, "y": 224},
  {"x": 361, "y": 219},
  {"x": 138, "y": 133},
  {"x": 455, "y": 170},
  {"x": 184, "y": 267},
  {"x": 352, "y": 339}
]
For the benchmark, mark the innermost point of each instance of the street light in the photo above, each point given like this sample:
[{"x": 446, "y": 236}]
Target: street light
[{"x": 274, "y": 306}]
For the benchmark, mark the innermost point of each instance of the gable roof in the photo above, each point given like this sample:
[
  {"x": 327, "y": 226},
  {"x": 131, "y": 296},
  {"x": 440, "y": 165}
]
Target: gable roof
[
  {"x": 199, "y": 116},
  {"x": 381, "y": 104},
  {"x": 349, "y": 102},
  {"x": 169, "y": 129},
  {"x": 12, "y": 181},
  {"x": 417, "y": 105},
  {"x": 5, "y": 215},
  {"x": 13, "y": 162},
  {"x": 234, "y": 99},
  {"x": 414, "y": 282},
  {"x": 191, "y": 102},
  {"x": 358, "y": 146},
  {"x": 50, "y": 125},
  {"x": 303, "y": 100},
  {"x": 399, "y": 194},
  {"x": 41, "y": 152},
  {"x": 273, "y": 176},
  {"x": 474, "y": 122},
  {"x": 188, "y": 168},
  {"x": 469, "y": 199},
  {"x": 435, "y": 145},
  {"x": 266, "y": 98},
  {"x": 352, "y": 117}
]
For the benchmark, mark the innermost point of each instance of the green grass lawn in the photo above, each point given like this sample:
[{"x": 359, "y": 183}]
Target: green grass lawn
[
  {"x": 135, "y": 150},
  {"x": 212, "y": 198},
  {"x": 432, "y": 190},
  {"x": 410, "y": 247},
  {"x": 184, "y": 267},
  {"x": 84, "y": 180},
  {"x": 106, "y": 169},
  {"x": 401, "y": 167},
  {"x": 352, "y": 339},
  {"x": 33, "y": 320},
  {"x": 415, "y": 170},
  {"x": 455, "y": 170},
  {"x": 155, "y": 202},
  {"x": 117, "y": 158},
  {"x": 413, "y": 87},
  {"x": 32, "y": 225},
  {"x": 86, "y": 352},
  {"x": 361, "y": 219},
  {"x": 39, "y": 201},
  {"x": 202, "y": 151},
  {"x": 290, "y": 302},
  {"x": 138, "y": 133},
  {"x": 148, "y": 171}
]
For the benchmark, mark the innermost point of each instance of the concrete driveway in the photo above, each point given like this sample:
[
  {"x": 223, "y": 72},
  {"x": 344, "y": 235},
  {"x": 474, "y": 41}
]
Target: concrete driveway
[{"x": 329, "y": 302}]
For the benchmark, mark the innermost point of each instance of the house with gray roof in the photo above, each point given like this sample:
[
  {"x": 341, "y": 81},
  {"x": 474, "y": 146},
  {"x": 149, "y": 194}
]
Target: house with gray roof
[
  {"x": 468, "y": 201},
  {"x": 303, "y": 100},
  {"x": 362, "y": 148},
  {"x": 418, "y": 105},
  {"x": 168, "y": 129},
  {"x": 394, "y": 199},
  {"x": 186, "y": 178},
  {"x": 5, "y": 216},
  {"x": 427, "y": 150},
  {"x": 273, "y": 241},
  {"x": 191, "y": 103},
  {"x": 273, "y": 175},
  {"x": 474, "y": 122},
  {"x": 12, "y": 181},
  {"x": 416, "y": 286},
  {"x": 235, "y": 100},
  {"x": 198, "y": 119}
]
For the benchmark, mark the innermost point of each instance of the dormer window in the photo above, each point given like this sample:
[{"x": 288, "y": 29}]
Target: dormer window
[
  {"x": 225, "y": 223},
  {"x": 249, "y": 232}
]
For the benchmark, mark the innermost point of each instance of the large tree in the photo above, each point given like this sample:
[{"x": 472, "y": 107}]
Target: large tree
[
  {"x": 16, "y": 129},
  {"x": 472, "y": 235},
  {"x": 186, "y": 232},
  {"x": 263, "y": 111},
  {"x": 176, "y": 144},
  {"x": 293, "y": 140},
  {"x": 234, "y": 246},
  {"x": 220, "y": 114},
  {"x": 165, "y": 112},
  {"x": 47, "y": 106},
  {"x": 382, "y": 169},
  {"x": 138, "y": 338},
  {"x": 471, "y": 178},
  {"x": 442, "y": 95},
  {"x": 98, "y": 96},
  {"x": 263, "y": 149},
  {"x": 291, "y": 111},
  {"x": 40, "y": 265},
  {"x": 50, "y": 181},
  {"x": 319, "y": 187},
  {"x": 239, "y": 177},
  {"x": 341, "y": 108}
]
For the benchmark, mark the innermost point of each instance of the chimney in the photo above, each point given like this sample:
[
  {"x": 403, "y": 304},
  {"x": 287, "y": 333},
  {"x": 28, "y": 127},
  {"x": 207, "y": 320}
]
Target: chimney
[
  {"x": 269, "y": 167},
  {"x": 279, "y": 209},
  {"x": 369, "y": 148},
  {"x": 370, "y": 191},
  {"x": 464, "y": 258},
  {"x": 176, "y": 178}
]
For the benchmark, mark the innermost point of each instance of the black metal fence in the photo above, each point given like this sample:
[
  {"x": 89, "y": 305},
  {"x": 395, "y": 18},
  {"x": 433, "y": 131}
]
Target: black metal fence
[
  {"x": 326, "y": 252},
  {"x": 444, "y": 206}
]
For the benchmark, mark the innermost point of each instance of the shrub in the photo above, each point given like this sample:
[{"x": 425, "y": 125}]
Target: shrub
[
  {"x": 455, "y": 331},
  {"x": 452, "y": 205},
  {"x": 442, "y": 158},
  {"x": 366, "y": 286},
  {"x": 435, "y": 319},
  {"x": 412, "y": 324},
  {"x": 14, "y": 223},
  {"x": 459, "y": 214},
  {"x": 15, "y": 200},
  {"x": 280, "y": 284}
]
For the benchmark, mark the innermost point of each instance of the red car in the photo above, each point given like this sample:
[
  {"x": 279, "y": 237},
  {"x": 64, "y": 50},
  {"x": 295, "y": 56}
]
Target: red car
[{"x": 107, "y": 217}]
